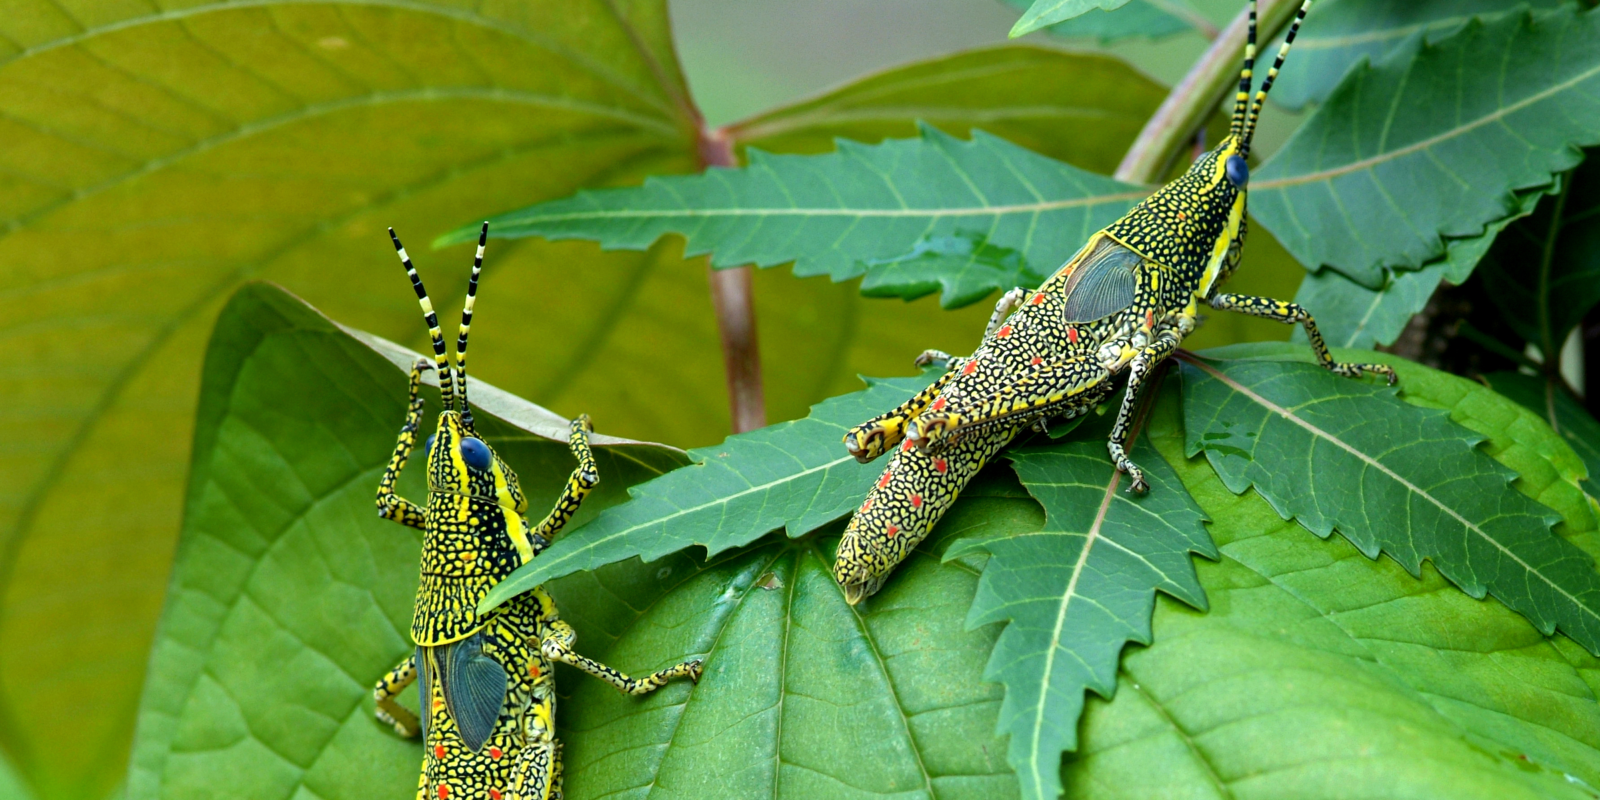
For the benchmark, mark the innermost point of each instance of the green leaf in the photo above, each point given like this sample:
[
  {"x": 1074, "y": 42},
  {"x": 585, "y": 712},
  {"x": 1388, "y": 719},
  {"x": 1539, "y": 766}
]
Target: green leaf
[
  {"x": 832, "y": 214},
  {"x": 1351, "y": 315},
  {"x": 1150, "y": 18},
  {"x": 793, "y": 475},
  {"x": 1044, "y": 13},
  {"x": 1077, "y": 590},
  {"x": 290, "y": 597},
  {"x": 12, "y": 786},
  {"x": 1024, "y": 94},
  {"x": 1433, "y": 142},
  {"x": 963, "y": 269},
  {"x": 1318, "y": 673},
  {"x": 1566, "y": 418},
  {"x": 1340, "y": 33},
  {"x": 1337, "y": 453},
  {"x": 1544, "y": 274}
]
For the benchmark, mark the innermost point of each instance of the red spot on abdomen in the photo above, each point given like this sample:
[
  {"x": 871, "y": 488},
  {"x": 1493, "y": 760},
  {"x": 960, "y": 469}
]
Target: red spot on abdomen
[
  {"x": 438, "y": 751},
  {"x": 533, "y": 669},
  {"x": 867, "y": 506},
  {"x": 1005, "y": 330},
  {"x": 884, "y": 481},
  {"x": 938, "y": 403},
  {"x": 1038, "y": 298},
  {"x": 1149, "y": 319},
  {"x": 970, "y": 368},
  {"x": 892, "y": 531},
  {"x": 494, "y": 753},
  {"x": 444, "y": 791},
  {"x": 939, "y": 464},
  {"x": 1072, "y": 335},
  {"x": 495, "y": 794},
  {"x": 907, "y": 446},
  {"x": 916, "y": 501},
  {"x": 1035, "y": 361}
]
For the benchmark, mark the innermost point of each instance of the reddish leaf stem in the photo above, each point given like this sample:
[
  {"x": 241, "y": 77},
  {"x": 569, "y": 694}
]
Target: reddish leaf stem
[{"x": 733, "y": 298}]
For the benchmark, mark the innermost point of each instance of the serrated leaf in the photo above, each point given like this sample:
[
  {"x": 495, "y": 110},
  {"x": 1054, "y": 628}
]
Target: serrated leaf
[
  {"x": 290, "y": 597},
  {"x": 1340, "y": 33},
  {"x": 1544, "y": 274},
  {"x": 1351, "y": 315},
  {"x": 962, "y": 269},
  {"x": 1044, "y": 13},
  {"x": 1335, "y": 453},
  {"x": 793, "y": 475},
  {"x": 1078, "y": 589},
  {"x": 1148, "y": 18},
  {"x": 1433, "y": 142},
  {"x": 1024, "y": 94},
  {"x": 832, "y": 214},
  {"x": 1321, "y": 674},
  {"x": 1566, "y": 418}
]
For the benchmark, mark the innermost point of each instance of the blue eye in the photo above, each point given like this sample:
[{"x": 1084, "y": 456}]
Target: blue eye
[
  {"x": 1238, "y": 171},
  {"x": 475, "y": 453},
  {"x": 427, "y": 447}
]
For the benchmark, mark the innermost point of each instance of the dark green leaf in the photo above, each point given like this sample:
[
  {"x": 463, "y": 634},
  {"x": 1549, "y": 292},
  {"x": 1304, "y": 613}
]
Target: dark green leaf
[
  {"x": 832, "y": 214},
  {"x": 1561, "y": 412},
  {"x": 793, "y": 475},
  {"x": 1340, "y": 33},
  {"x": 1149, "y": 18},
  {"x": 1074, "y": 592},
  {"x": 1320, "y": 674},
  {"x": 1044, "y": 13},
  {"x": 964, "y": 269},
  {"x": 1433, "y": 142},
  {"x": 1351, "y": 315},
  {"x": 1343, "y": 454},
  {"x": 1027, "y": 95},
  {"x": 1544, "y": 273}
]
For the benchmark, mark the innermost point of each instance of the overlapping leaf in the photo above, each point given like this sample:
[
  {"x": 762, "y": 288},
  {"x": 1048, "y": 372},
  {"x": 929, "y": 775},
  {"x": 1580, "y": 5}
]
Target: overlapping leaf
[
  {"x": 1342, "y": 454},
  {"x": 1561, "y": 412},
  {"x": 832, "y": 214},
  {"x": 1044, "y": 13},
  {"x": 1150, "y": 18},
  {"x": 793, "y": 475},
  {"x": 1077, "y": 590},
  {"x": 1433, "y": 142},
  {"x": 1321, "y": 674},
  {"x": 1339, "y": 33}
]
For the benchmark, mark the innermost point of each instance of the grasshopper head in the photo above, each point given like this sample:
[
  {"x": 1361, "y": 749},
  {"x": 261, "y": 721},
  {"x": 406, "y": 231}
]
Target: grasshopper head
[{"x": 461, "y": 463}]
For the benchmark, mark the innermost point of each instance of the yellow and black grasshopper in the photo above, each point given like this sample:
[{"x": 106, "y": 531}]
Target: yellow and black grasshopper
[
  {"x": 487, "y": 690},
  {"x": 1122, "y": 304}
]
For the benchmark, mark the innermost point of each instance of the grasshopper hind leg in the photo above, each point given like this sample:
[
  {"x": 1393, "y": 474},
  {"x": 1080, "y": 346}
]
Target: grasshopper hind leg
[{"x": 390, "y": 712}]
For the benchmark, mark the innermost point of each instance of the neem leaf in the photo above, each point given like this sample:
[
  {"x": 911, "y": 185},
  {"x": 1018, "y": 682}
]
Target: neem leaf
[
  {"x": 794, "y": 475},
  {"x": 290, "y": 597},
  {"x": 1078, "y": 589},
  {"x": 1044, "y": 13},
  {"x": 1566, "y": 418},
  {"x": 1343, "y": 454},
  {"x": 1340, "y": 33},
  {"x": 1149, "y": 18},
  {"x": 832, "y": 214},
  {"x": 1322, "y": 674},
  {"x": 964, "y": 269},
  {"x": 1433, "y": 142}
]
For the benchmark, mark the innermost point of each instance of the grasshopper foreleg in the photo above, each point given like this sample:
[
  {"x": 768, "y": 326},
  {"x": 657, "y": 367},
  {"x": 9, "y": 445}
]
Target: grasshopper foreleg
[
  {"x": 391, "y": 505},
  {"x": 880, "y": 434},
  {"x": 1289, "y": 314},
  {"x": 583, "y": 479},
  {"x": 1138, "y": 371}
]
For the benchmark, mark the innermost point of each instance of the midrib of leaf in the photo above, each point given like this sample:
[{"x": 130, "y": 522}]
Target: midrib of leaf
[
  {"x": 1371, "y": 161},
  {"x": 1127, "y": 682},
  {"x": 1091, "y": 538},
  {"x": 943, "y": 211},
  {"x": 1304, "y": 43},
  {"x": 783, "y": 675},
  {"x": 590, "y": 66},
  {"x": 1372, "y": 463}
]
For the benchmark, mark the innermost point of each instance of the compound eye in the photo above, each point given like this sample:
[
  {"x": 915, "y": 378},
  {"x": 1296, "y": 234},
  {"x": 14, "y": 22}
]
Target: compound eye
[
  {"x": 475, "y": 453},
  {"x": 1238, "y": 171},
  {"x": 427, "y": 447}
]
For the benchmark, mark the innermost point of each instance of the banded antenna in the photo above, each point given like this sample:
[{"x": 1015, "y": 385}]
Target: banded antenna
[
  {"x": 466, "y": 325},
  {"x": 1241, "y": 100},
  {"x": 1272, "y": 74},
  {"x": 441, "y": 359}
]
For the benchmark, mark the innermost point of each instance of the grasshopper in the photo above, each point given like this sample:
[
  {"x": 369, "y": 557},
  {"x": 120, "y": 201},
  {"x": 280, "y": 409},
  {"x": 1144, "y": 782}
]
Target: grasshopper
[
  {"x": 1121, "y": 305},
  {"x": 487, "y": 688}
]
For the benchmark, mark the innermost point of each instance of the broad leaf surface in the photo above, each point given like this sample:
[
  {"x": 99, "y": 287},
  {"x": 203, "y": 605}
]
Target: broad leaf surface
[
  {"x": 834, "y": 213},
  {"x": 1339, "y": 33},
  {"x": 290, "y": 596},
  {"x": 1336, "y": 453},
  {"x": 1149, "y": 18},
  {"x": 1433, "y": 141},
  {"x": 1544, "y": 273},
  {"x": 1562, "y": 413},
  {"x": 1351, "y": 315},
  {"x": 1078, "y": 589},
  {"x": 793, "y": 475},
  {"x": 1044, "y": 13},
  {"x": 1320, "y": 674}
]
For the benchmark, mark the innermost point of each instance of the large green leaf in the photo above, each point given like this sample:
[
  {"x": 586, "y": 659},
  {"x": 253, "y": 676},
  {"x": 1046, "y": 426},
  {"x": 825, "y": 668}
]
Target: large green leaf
[
  {"x": 1044, "y": 13},
  {"x": 1433, "y": 141},
  {"x": 1545, "y": 272},
  {"x": 1320, "y": 674},
  {"x": 1351, "y": 315},
  {"x": 1339, "y": 33},
  {"x": 1149, "y": 18},
  {"x": 1335, "y": 453},
  {"x": 1565, "y": 416},
  {"x": 290, "y": 596},
  {"x": 159, "y": 155},
  {"x": 833, "y": 214},
  {"x": 1078, "y": 589}
]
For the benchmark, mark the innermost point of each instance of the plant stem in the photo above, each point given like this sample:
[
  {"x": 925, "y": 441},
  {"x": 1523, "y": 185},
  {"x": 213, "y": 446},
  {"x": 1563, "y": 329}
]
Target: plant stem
[
  {"x": 1195, "y": 97},
  {"x": 733, "y": 299}
]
